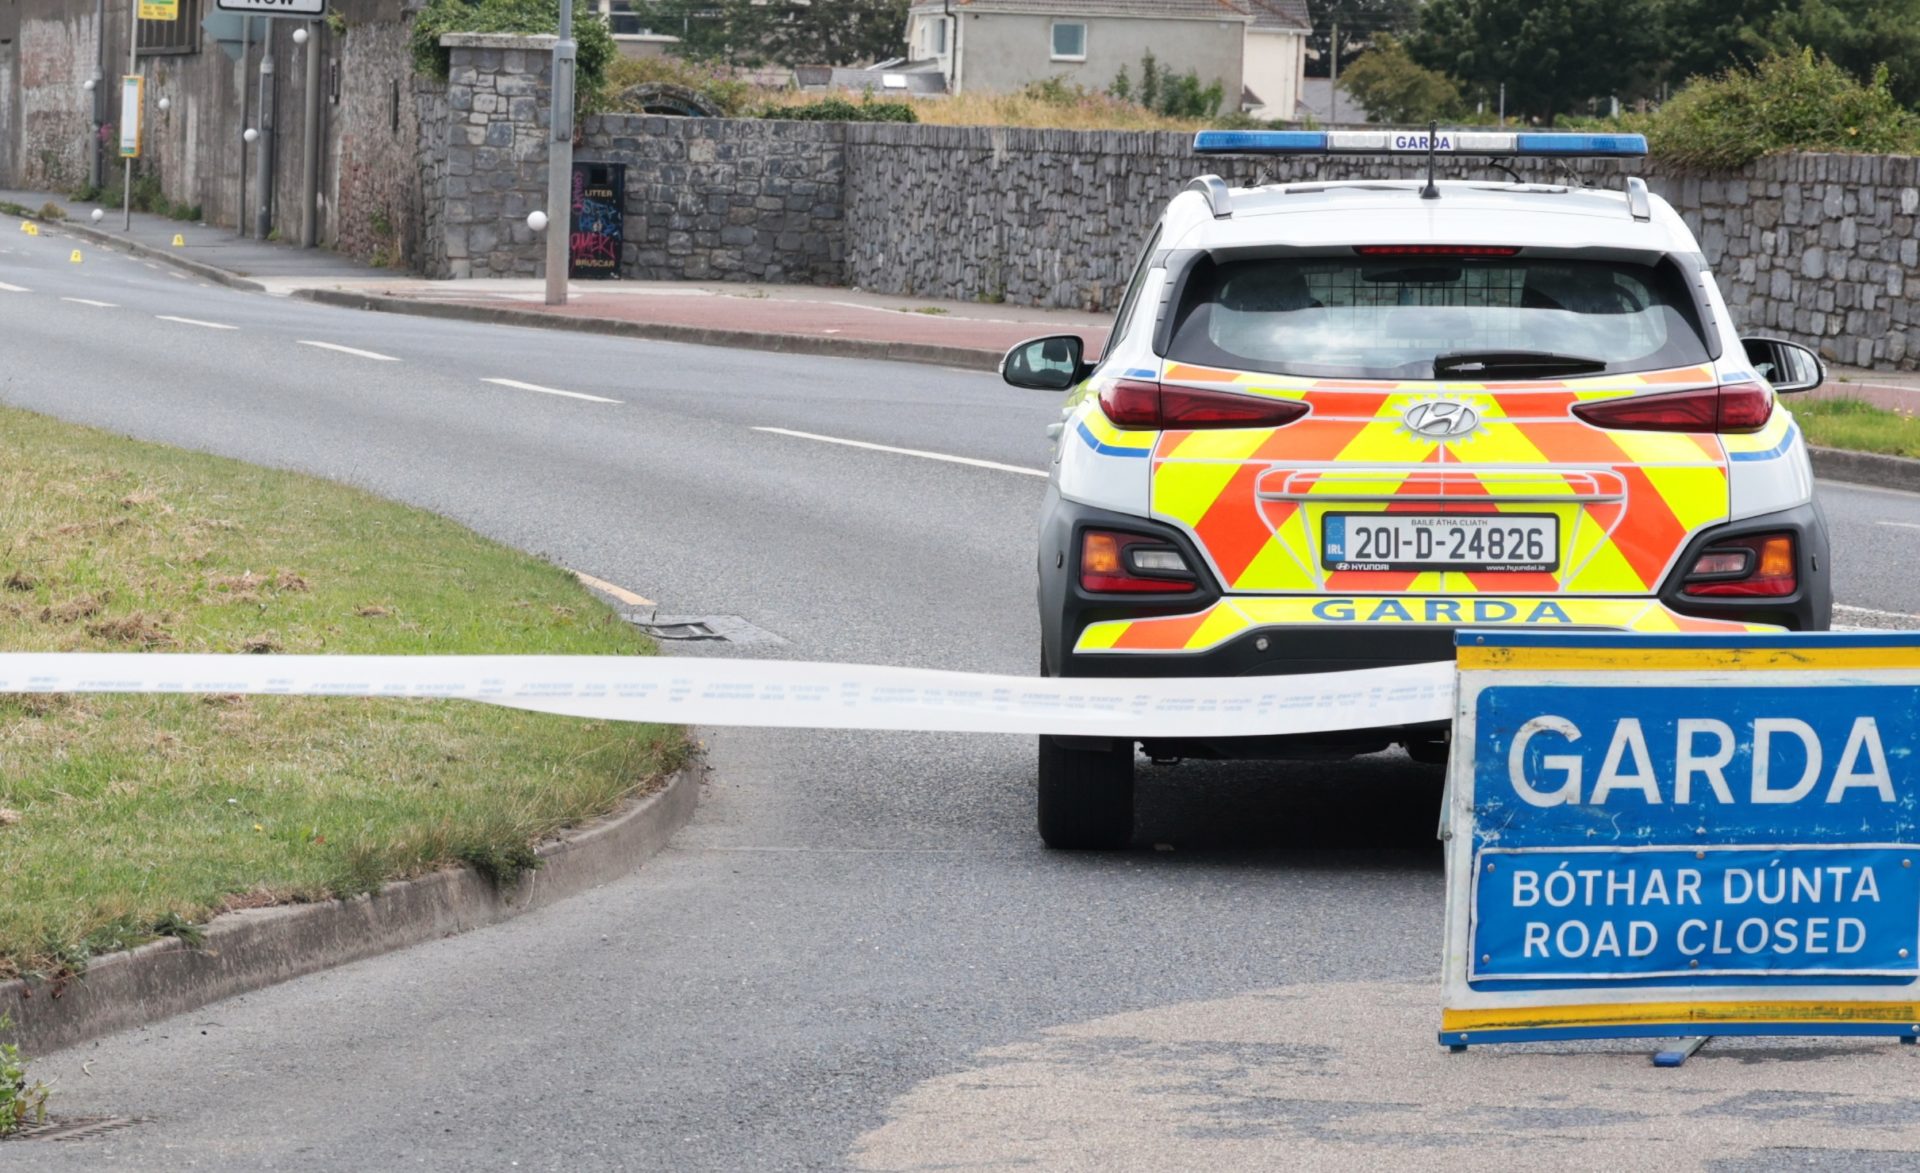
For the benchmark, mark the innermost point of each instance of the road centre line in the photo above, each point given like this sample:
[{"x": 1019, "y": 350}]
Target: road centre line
[
  {"x": 349, "y": 350},
  {"x": 941, "y": 456},
  {"x": 519, "y": 386},
  {"x": 195, "y": 322},
  {"x": 1898, "y": 524},
  {"x": 5, "y": 288},
  {"x": 105, "y": 305}
]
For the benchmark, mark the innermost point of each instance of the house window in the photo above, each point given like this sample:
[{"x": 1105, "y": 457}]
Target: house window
[
  {"x": 1069, "y": 41},
  {"x": 621, "y": 18},
  {"x": 179, "y": 35},
  {"x": 937, "y": 36}
]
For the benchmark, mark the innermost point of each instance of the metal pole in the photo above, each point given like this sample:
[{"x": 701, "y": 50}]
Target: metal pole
[
  {"x": 133, "y": 66},
  {"x": 96, "y": 153},
  {"x": 263, "y": 162},
  {"x": 560, "y": 161},
  {"x": 310, "y": 131},
  {"x": 246, "y": 51},
  {"x": 1503, "y": 103},
  {"x": 1333, "y": 85}
]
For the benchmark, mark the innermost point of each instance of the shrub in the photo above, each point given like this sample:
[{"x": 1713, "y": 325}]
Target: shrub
[
  {"x": 841, "y": 110},
  {"x": 1786, "y": 102},
  {"x": 441, "y": 17},
  {"x": 1395, "y": 88},
  {"x": 21, "y": 1102},
  {"x": 714, "y": 83}
]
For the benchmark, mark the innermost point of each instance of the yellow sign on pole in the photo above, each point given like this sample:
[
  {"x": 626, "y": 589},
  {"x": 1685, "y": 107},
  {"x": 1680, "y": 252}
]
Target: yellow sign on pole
[
  {"x": 159, "y": 9},
  {"x": 132, "y": 87}
]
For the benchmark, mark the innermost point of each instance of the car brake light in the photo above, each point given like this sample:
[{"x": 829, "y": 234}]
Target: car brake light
[
  {"x": 1760, "y": 565},
  {"x": 1435, "y": 250},
  {"x": 1743, "y": 407},
  {"x": 1112, "y": 561},
  {"x": 1129, "y": 403}
]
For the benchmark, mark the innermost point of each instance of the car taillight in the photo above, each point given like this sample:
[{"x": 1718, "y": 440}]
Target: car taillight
[
  {"x": 1743, "y": 407},
  {"x": 1132, "y": 563},
  {"x": 1759, "y": 565},
  {"x": 1133, "y": 404}
]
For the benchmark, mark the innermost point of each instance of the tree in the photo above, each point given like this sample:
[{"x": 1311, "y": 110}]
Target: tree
[
  {"x": 1550, "y": 54},
  {"x": 1393, "y": 87},
  {"x": 1704, "y": 37},
  {"x": 1858, "y": 35},
  {"x": 1359, "y": 21}
]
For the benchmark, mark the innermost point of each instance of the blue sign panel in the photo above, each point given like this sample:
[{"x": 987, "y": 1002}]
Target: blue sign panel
[{"x": 1606, "y": 915}]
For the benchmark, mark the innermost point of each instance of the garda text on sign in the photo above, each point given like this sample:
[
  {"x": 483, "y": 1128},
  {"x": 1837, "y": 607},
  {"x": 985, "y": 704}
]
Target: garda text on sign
[{"x": 1650, "y": 833}]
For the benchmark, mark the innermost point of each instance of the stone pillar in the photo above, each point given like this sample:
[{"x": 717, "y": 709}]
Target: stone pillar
[{"x": 491, "y": 168}]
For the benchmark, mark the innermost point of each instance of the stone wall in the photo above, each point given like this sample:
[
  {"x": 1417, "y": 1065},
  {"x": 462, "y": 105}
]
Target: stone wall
[
  {"x": 484, "y": 156},
  {"x": 719, "y": 200}
]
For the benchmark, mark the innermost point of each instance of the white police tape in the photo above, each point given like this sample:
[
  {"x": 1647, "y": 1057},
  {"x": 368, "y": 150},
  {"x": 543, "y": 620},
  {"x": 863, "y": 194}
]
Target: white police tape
[{"x": 781, "y": 693}]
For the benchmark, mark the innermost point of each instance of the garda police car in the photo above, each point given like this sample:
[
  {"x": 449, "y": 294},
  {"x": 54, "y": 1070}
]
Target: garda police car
[{"x": 1335, "y": 421}]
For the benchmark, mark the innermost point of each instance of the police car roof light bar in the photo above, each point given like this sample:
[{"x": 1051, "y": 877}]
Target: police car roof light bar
[{"x": 1554, "y": 145}]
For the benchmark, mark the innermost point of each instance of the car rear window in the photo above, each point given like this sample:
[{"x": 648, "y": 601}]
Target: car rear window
[{"x": 1389, "y": 317}]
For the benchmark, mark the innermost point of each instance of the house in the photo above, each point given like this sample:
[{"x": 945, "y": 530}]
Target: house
[
  {"x": 1001, "y": 45},
  {"x": 1275, "y": 58},
  {"x": 632, "y": 34}
]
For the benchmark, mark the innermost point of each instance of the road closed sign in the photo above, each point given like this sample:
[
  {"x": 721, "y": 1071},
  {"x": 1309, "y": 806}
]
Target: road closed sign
[
  {"x": 306, "y": 9},
  {"x": 1683, "y": 836}
]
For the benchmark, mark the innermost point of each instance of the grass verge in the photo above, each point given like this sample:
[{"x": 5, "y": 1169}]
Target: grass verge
[
  {"x": 127, "y": 817},
  {"x": 1857, "y": 426}
]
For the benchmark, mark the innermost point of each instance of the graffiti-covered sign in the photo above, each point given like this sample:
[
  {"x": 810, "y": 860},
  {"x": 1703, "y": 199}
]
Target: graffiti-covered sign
[
  {"x": 599, "y": 219},
  {"x": 1683, "y": 835}
]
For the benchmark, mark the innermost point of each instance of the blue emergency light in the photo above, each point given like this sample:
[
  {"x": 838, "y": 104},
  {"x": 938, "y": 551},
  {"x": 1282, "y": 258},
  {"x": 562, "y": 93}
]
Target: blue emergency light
[{"x": 1418, "y": 142}]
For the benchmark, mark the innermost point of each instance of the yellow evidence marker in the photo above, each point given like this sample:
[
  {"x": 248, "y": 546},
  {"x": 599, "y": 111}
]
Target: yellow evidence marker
[
  {"x": 29, "y": 227},
  {"x": 179, "y": 241},
  {"x": 75, "y": 258}
]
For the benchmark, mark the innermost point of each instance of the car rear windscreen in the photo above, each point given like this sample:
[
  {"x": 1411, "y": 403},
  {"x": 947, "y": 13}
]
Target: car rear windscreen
[{"x": 1391, "y": 317}]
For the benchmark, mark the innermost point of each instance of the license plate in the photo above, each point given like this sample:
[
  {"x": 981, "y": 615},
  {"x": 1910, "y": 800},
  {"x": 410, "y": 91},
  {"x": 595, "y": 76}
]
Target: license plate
[{"x": 1415, "y": 541}]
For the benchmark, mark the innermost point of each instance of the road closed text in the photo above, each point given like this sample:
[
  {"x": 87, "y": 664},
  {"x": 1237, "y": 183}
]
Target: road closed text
[{"x": 1548, "y": 913}]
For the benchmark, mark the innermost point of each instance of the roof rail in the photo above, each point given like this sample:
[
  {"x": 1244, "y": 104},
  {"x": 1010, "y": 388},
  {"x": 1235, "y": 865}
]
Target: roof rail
[
  {"x": 1637, "y": 202},
  {"x": 1218, "y": 197}
]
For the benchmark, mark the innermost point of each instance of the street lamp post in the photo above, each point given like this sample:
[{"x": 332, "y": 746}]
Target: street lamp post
[{"x": 560, "y": 159}]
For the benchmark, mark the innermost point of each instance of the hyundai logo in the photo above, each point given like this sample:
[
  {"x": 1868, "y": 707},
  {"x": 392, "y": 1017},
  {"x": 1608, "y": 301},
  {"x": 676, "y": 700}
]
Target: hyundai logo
[{"x": 1442, "y": 417}]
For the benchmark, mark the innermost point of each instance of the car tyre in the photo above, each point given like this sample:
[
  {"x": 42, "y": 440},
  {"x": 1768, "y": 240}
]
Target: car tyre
[{"x": 1086, "y": 796}]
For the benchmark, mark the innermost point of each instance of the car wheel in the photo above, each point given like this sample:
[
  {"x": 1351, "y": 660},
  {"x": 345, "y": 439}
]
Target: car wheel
[{"x": 1086, "y": 796}]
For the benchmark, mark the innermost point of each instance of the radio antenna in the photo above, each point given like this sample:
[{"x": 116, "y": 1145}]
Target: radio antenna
[{"x": 1430, "y": 192}]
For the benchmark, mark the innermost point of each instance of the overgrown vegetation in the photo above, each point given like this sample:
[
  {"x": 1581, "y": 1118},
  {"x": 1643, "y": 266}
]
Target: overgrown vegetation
[
  {"x": 1789, "y": 102},
  {"x": 1856, "y": 425},
  {"x": 22, "y": 1102},
  {"x": 715, "y": 84},
  {"x": 123, "y": 818},
  {"x": 836, "y": 109},
  {"x": 1162, "y": 91},
  {"x": 440, "y": 17}
]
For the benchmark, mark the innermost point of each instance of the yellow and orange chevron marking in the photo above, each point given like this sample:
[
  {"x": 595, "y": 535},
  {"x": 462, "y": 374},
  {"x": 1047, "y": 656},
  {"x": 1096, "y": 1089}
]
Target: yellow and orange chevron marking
[{"x": 1256, "y": 500}]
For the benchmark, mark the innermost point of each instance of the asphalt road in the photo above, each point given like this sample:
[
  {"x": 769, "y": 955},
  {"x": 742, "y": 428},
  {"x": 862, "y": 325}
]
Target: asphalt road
[{"x": 857, "y": 954}]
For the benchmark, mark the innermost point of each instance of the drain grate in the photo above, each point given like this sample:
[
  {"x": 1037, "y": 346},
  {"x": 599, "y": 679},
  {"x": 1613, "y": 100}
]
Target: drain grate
[
  {"x": 692, "y": 628},
  {"x": 72, "y": 1127}
]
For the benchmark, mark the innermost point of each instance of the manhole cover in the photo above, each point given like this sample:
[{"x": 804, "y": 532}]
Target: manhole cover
[
  {"x": 72, "y": 1127},
  {"x": 688, "y": 628}
]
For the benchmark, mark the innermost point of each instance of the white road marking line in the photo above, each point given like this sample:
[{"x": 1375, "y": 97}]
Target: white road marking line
[
  {"x": 349, "y": 350},
  {"x": 992, "y": 464},
  {"x": 1843, "y": 610},
  {"x": 105, "y": 305},
  {"x": 5, "y": 288},
  {"x": 606, "y": 588},
  {"x": 1898, "y": 524},
  {"x": 195, "y": 322},
  {"x": 519, "y": 386},
  {"x": 178, "y": 276}
]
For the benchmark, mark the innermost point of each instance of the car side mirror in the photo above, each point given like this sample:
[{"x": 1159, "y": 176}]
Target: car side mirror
[
  {"x": 1053, "y": 363},
  {"x": 1789, "y": 366}
]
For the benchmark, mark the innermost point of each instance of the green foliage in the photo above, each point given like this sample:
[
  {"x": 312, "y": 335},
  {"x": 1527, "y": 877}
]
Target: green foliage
[
  {"x": 1150, "y": 75},
  {"x": 713, "y": 82},
  {"x": 841, "y": 110},
  {"x": 780, "y": 32},
  {"x": 1856, "y": 425},
  {"x": 1122, "y": 87},
  {"x": 441, "y": 17},
  {"x": 1360, "y": 21},
  {"x": 1393, "y": 87},
  {"x": 1552, "y": 55},
  {"x": 1175, "y": 96},
  {"x": 1860, "y": 36},
  {"x": 21, "y": 1102},
  {"x": 501, "y": 863},
  {"x": 52, "y": 211},
  {"x": 1185, "y": 97},
  {"x": 1787, "y": 102}
]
